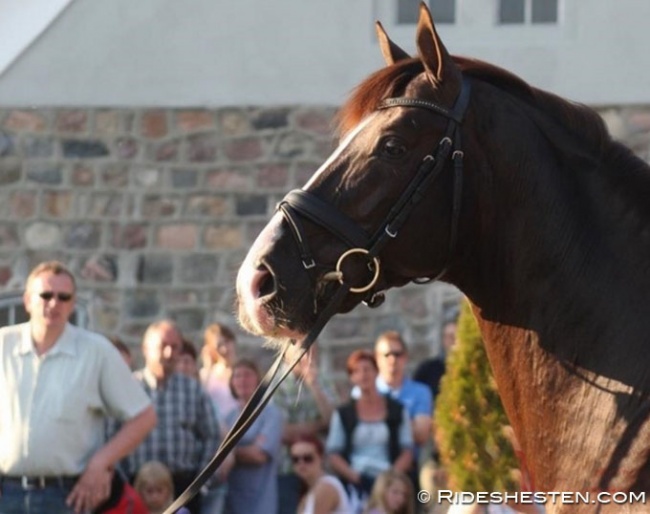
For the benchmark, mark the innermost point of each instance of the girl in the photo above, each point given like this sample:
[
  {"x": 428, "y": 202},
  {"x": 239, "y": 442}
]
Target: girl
[
  {"x": 392, "y": 493},
  {"x": 156, "y": 488}
]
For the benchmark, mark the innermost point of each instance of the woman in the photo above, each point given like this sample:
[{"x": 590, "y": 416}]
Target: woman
[
  {"x": 322, "y": 493},
  {"x": 218, "y": 354},
  {"x": 253, "y": 481},
  {"x": 371, "y": 434}
]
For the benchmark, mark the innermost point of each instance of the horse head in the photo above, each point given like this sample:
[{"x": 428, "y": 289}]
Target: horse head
[{"x": 346, "y": 226}]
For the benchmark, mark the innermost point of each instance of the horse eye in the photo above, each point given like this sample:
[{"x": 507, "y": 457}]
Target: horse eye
[{"x": 393, "y": 147}]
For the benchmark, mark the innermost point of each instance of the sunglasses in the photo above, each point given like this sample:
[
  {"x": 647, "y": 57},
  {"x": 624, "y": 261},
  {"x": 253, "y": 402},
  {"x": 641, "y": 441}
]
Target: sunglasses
[
  {"x": 397, "y": 354},
  {"x": 307, "y": 458},
  {"x": 62, "y": 297}
]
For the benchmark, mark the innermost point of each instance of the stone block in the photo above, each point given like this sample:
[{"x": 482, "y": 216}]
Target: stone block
[
  {"x": 184, "y": 178},
  {"x": 9, "y": 236},
  {"x": 83, "y": 175},
  {"x": 194, "y": 120},
  {"x": 246, "y": 149},
  {"x": 188, "y": 319},
  {"x": 166, "y": 151},
  {"x": 229, "y": 179},
  {"x": 157, "y": 206},
  {"x": 107, "y": 122},
  {"x": 147, "y": 177},
  {"x": 126, "y": 148},
  {"x": 153, "y": 124},
  {"x": 42, "y": 235},
  {"x": 220, "y": 237},
  {"x": 292, "y": 145},
  {"x": 84, "y": 149},
  {"x": 46, "y": 173},
  {"x": 198, "y": 269},
  {"x": 100, "y": 268},
  {"x": 23, "y": 204},
  {"x": 251, "y": 205},
  {"x": 202, "y": 148},
  {"x": 57, "y": 204},
  {"x": 73, "y": 121},
  {"x": 10, "y": 170},
  {"x": 83, "y": 235},
  {"x": 206, "y": 205},
  {"x": 318, "y": 121},
  {"x": 130, "y": 236},
  {"x": 141, "y": 303},
  {"x": 155, "y": 269},
  {"x": 105, "y": 205},
  {"x": 25, "y": 121},
  {"x": 267, "y": 119},
  {"x": 115, "y": 175},
  {"x": 273, "y": 176},
  {"x": 178, "y": 236},
  {"x": 37, "y": 146},
  {"x": 234, "y": 122}
]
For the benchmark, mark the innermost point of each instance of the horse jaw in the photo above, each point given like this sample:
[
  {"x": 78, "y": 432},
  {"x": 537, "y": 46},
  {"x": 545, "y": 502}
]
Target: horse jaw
[{"x": 254, "y": 279}]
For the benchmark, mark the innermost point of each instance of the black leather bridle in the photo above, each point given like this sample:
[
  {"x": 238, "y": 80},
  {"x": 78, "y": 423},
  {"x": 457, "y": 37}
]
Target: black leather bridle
[{"x": 300, "y": 203}]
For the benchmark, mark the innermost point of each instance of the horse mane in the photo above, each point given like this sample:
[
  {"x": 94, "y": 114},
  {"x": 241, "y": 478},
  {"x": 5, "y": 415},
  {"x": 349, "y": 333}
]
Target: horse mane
[{"x": 391, "y": 81}]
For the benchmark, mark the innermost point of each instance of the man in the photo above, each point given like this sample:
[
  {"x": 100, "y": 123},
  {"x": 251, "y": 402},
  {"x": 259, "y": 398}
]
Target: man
[
  {"x": 392, "y": 355},
  {"x": 187, "y": 434},
  {"x": 307, "y": 406},
  {"x": 59, "y": 383},
  {"x": 430, "y": 371}
]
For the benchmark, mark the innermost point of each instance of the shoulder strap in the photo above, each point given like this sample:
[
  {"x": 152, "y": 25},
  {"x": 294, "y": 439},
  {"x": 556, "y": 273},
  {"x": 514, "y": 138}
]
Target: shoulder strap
[{"x": 349, "y": 420}]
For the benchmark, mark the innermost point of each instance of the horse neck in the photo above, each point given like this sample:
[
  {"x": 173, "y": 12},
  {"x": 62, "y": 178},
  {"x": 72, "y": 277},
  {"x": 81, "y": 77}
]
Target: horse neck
[{"x": 559, "y": 278}]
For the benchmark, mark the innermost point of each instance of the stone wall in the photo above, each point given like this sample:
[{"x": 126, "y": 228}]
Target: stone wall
[{"x": 154, "y": 210}]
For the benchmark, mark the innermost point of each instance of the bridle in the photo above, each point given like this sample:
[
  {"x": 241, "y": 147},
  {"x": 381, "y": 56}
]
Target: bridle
[
  {"x": 300, "y": 203},
  {"x": 304, "y": 204}
]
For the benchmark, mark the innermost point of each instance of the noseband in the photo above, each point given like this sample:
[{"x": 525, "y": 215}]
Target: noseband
[{"x": 300, "y": 203}]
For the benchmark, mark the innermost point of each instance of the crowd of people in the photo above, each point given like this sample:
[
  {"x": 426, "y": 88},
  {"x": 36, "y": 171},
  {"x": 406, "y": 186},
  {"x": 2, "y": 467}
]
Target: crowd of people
[{"x": 84, "y": 432}]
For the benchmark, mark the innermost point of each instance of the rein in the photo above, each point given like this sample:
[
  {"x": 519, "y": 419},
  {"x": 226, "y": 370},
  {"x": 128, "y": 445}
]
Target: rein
[{"x": 306, "y": 204}]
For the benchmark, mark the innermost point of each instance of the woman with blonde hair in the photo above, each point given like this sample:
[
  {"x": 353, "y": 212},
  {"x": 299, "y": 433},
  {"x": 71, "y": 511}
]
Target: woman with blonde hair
[
  {"x": 392, "y": 493},
  {"x": 218, "y": 354}
]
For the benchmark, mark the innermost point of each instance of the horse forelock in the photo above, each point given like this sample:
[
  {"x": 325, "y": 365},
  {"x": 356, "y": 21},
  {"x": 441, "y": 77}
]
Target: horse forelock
[{"x": 383, "y": 84}]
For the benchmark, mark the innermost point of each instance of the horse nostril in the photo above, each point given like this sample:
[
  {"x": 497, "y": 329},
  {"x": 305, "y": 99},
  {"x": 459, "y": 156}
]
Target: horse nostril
[{"x": 263, "y": 282}]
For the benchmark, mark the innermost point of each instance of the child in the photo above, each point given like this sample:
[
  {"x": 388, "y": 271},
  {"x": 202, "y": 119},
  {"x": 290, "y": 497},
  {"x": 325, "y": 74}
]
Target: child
[
  {"x": 392, "y": 493},
  {"x": 154, "y": 484}
]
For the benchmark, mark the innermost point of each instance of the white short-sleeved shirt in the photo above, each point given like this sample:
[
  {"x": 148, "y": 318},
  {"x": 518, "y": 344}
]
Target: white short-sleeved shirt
[{"x": 52, "y": 408}]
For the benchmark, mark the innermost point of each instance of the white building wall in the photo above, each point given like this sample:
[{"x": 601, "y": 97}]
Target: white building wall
[{"x": 239, "y": 52}]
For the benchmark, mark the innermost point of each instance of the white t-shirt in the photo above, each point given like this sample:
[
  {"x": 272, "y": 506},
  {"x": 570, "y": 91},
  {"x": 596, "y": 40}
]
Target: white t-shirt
[{"x": 343, "y": 506}]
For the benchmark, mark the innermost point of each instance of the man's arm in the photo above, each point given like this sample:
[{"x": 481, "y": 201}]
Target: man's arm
[{"x": 94, "y": 485}]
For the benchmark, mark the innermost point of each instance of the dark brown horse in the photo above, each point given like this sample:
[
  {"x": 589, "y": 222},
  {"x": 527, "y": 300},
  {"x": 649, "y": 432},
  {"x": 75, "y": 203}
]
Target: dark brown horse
[{"x": 523, "y": 201}]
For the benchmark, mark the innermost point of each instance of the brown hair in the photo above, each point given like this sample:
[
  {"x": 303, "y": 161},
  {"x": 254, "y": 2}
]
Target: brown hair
[
  {"x": 188, "y": 348},
  {"x": 392, "y": 335},
  {"x": 55, "y": 267},
  {"x": 358, "y": 356}
]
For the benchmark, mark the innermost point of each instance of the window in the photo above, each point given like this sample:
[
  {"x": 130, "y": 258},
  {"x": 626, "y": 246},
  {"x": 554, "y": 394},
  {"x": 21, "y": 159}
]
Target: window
[
  {"x": 443, "y": 11},
  {"x": 528, "y": 11}
]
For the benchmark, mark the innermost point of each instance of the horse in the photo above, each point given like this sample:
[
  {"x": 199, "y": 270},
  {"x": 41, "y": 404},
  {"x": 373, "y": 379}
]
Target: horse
[{"x": 453, "y": 169}]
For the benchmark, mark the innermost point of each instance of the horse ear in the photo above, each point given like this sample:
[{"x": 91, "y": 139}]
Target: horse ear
[
  {"x": 391, "y": 52},
  {"x": 437, "y": 61}
]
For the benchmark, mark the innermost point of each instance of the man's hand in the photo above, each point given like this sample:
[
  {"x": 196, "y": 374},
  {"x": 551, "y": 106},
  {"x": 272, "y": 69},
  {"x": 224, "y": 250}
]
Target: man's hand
[{"x": 92, "y": 488}]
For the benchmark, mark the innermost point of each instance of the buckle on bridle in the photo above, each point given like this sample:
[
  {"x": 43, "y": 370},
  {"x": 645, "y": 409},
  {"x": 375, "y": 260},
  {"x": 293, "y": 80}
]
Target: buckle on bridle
[{"x": 338, "y": 274}]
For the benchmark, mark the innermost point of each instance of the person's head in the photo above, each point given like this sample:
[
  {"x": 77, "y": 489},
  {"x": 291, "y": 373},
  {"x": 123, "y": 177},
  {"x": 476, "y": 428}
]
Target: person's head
[
  {"x": 161, "y": 346},
  {"x": 186, "y": 362},
  {"x": 155, "y": 485},
  {"x": 219, "y": 345},
  {"x": 391, "y": 354},
  {"x": 362, "y": 370},
  {"x": 124, "y": 350},
  {"x": 306, "y": 453},
  {"x": 244, "y": 379},
  {"x": 49, "y": 296},
  {"x": 393, "y": 493},
  {"x": 448, "y": 336}
]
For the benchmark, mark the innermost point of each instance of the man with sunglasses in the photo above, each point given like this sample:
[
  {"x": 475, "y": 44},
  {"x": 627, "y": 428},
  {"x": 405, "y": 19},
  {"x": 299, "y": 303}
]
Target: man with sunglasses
[{"x": 59, "y": 382}]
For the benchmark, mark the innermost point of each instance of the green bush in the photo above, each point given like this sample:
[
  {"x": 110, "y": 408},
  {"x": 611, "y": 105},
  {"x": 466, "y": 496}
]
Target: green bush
[{"x": 470, "y": 420}]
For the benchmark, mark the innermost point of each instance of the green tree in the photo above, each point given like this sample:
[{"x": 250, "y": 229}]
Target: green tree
[{"x": 470, "y": 421}]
